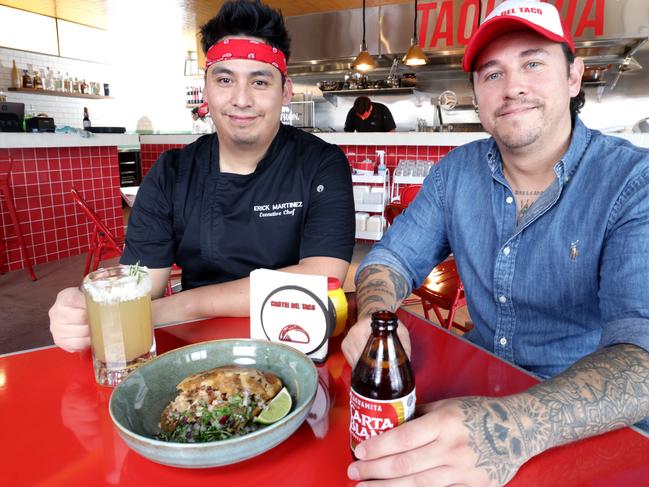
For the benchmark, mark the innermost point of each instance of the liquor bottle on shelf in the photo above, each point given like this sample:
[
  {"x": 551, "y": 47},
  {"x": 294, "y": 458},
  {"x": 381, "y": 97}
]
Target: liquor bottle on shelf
[
  {"x": 58, "y": 82},
  {"x": 86, "y": 118},
  {"x": 67, "y": 83},
  {"x": 75, "y": 86},
  {"x": 38, "y": 81},
  {"x": 16, "y": 79},
  {"x": 49, "y": 80},
  {"x": 27, "y": 80}
]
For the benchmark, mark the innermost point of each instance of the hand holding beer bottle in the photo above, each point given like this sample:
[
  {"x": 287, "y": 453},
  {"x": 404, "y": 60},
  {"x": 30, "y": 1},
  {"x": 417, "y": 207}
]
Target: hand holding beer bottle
[{"x": 383, "y": 386}]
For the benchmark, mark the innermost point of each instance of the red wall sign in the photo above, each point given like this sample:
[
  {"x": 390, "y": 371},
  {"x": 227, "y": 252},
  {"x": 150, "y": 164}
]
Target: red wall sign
[{"x": 449, "y": 23}]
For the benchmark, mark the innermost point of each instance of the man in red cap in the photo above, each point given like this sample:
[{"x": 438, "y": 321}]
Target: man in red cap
[{"x": 548, "y": 222}]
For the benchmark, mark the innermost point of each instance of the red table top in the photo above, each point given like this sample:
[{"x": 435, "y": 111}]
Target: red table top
[{"x": 56, "y": 430}]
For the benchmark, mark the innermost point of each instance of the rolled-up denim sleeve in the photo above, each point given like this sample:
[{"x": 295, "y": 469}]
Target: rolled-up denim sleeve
[
  {"x": 624, "y": 272},
  {"x": 417, "y": 241}
]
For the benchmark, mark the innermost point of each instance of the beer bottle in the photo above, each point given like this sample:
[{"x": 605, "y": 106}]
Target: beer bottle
[
  {"x": 86, "y": 118},
  {"x": 382, "y": 392}
]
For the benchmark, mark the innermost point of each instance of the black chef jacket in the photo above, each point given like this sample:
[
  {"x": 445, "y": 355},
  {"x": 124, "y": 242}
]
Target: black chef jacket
[
  {"x": 220, "y": 226},
  {"x": 380, "y": 120}
]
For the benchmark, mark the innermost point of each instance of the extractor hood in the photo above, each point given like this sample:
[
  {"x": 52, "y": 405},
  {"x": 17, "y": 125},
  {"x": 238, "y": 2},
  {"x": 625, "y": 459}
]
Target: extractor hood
[{"x": 326, "y": 43}]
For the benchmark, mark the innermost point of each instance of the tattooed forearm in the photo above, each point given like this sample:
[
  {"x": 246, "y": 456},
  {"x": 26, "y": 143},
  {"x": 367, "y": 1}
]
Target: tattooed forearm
[
  {"x": 603, "y": 391},
  {"x": 379, "y": 287}
]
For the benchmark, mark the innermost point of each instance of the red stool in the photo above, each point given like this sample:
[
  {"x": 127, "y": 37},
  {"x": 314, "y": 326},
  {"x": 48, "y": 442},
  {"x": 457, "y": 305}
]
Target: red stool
[
  {"x": 102, "y": 240},
  {"x": 7, "y": 195}
]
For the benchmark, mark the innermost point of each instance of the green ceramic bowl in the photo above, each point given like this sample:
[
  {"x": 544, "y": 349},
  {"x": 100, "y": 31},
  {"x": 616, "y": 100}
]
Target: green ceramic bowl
[{"x": 136, "y": 403}]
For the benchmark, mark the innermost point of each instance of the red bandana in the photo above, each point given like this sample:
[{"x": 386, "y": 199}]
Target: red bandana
[{"x": 245, "y": 49}]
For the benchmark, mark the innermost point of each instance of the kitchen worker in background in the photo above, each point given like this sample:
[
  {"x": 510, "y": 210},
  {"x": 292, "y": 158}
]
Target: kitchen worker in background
[
  {"x": 548, "y": 222},
  {"x": 369, "y": 116},
  {"x": 255, "y": 194},
  {"x": 200, "y": 125}
]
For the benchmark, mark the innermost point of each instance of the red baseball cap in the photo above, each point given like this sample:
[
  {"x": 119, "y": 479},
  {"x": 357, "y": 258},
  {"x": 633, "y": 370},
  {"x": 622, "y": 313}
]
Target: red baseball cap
[{"x": 540, "y": 17}]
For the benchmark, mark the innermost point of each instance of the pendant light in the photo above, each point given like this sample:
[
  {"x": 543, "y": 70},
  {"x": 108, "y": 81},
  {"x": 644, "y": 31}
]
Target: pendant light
[
  {"x": 415, "y": 56},
  {"x": 364, "y": 62}
]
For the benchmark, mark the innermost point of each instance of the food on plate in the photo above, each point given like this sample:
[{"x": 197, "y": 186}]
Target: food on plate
[{"x": 221, "y": 403}]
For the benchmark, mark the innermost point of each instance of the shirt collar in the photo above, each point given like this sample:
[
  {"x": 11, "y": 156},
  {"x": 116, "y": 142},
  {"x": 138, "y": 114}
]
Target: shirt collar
[
  {"x": 274, "y": 150},
  {"x": 566, "y": 166}
]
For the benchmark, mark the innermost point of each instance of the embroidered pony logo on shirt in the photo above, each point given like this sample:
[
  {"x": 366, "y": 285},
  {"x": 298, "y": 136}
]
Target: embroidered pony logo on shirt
[{"x": 574, "y": 251}]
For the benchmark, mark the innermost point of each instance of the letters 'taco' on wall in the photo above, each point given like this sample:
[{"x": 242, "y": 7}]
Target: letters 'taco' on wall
[{"x": 450, "y": 23}]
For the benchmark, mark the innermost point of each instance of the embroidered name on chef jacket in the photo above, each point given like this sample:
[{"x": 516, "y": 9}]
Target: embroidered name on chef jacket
[{"x": 277, "y": 209}]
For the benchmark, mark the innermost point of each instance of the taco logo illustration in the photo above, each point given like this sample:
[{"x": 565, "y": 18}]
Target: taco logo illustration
[{"x": 294, "y": 334}]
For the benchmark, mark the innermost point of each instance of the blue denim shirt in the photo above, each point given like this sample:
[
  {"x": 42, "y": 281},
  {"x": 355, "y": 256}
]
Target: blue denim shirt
[{"x": 571, "y": 277}]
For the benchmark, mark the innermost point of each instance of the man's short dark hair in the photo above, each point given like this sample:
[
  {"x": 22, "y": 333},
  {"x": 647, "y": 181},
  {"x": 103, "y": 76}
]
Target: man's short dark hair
[
  {"x": 578, "y": 101},
  {"x": 249, "y": 18},
  {"x": 362, "y": 104}
]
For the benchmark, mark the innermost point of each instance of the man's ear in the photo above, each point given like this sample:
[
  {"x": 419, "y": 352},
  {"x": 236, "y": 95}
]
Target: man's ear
[
  {"x": 575, "y": 73},
  {"x": 287, "y": 93}
]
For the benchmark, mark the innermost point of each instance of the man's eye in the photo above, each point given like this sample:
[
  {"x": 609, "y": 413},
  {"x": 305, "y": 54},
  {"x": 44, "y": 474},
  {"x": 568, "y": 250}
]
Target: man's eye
[
  {"x": 223, "y": 81},
  {"x": 492, "y": 76},
  {"x": 260, "y": 82},
  {"x": 533, "y": 64}
]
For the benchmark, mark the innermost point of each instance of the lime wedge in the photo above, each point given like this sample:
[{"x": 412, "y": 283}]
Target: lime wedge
[{"x": 277, "y": 408}]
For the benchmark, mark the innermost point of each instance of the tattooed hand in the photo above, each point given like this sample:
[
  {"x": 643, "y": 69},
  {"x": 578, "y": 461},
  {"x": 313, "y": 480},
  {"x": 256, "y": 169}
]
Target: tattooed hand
[
  {"x": 475, "y": 441},
  {"x": 484, "y": 441},
  {"x": 378, "y": 287}
]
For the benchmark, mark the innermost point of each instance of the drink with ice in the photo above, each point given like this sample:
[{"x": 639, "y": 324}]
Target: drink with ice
[{"x": 118, "y": 300}]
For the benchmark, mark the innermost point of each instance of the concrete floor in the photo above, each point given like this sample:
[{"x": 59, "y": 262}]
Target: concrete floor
[{"x": 24, "y": 304}]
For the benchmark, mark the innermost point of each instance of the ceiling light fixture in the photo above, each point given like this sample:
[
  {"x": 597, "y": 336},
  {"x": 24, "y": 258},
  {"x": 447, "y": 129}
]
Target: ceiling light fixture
[
  {"x": 364, "y": 61},
  {"x": 415, "y": 56}
]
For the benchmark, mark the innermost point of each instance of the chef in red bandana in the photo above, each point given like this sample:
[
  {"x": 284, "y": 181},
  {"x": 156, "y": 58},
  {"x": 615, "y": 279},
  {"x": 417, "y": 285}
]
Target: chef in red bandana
[
  {"x": 369, "y": 116},
  {"x": 255, "y": 194}
]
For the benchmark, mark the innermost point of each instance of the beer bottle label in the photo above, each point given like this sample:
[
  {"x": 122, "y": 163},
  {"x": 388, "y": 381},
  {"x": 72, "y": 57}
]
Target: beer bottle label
[{"x": 371, "y": 417}]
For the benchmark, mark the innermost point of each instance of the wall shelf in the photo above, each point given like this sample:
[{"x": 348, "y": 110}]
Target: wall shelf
[{"x": 32, "y": 91}]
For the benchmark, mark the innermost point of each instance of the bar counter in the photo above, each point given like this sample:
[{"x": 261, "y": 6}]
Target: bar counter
[{"x": 45, "y": 167}]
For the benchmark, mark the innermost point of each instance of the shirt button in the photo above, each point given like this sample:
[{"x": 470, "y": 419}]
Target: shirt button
[
  {"x": 506, "y": 250},
  {"x": 502, "y": 299},
  {"x": 509, "y": 200},
  {"x": 503, "y": 341}
]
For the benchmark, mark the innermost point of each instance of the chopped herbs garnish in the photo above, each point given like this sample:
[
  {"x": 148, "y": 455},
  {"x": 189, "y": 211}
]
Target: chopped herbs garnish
[
  {"x": 135, "y": 270},
  {"x": 203, "y": 422}
]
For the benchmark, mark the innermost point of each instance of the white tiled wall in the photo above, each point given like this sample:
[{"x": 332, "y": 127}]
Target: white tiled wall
[
  {"x": 146, "y": 81},
  {"x": 64, "y": 110}
]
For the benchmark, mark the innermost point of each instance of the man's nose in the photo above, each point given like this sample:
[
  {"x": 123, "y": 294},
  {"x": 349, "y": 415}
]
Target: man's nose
[
  {"x": 241, "y": 95},
  {"x": 515, "y": 84}
]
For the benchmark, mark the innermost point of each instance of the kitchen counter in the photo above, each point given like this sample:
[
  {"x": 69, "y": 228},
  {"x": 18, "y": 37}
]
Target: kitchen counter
[
  {"x": 452, "y": 139},
  {"x": 10, "y": 140}
]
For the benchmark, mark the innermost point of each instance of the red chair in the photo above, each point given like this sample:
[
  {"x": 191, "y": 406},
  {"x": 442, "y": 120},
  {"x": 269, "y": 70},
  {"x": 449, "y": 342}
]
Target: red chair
[
  {"x": 442, "y": 289},
  {"x": 102, "y": 240},
  {"x": 7, "y": 195},
  {"x": 408, "y": 194}
]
